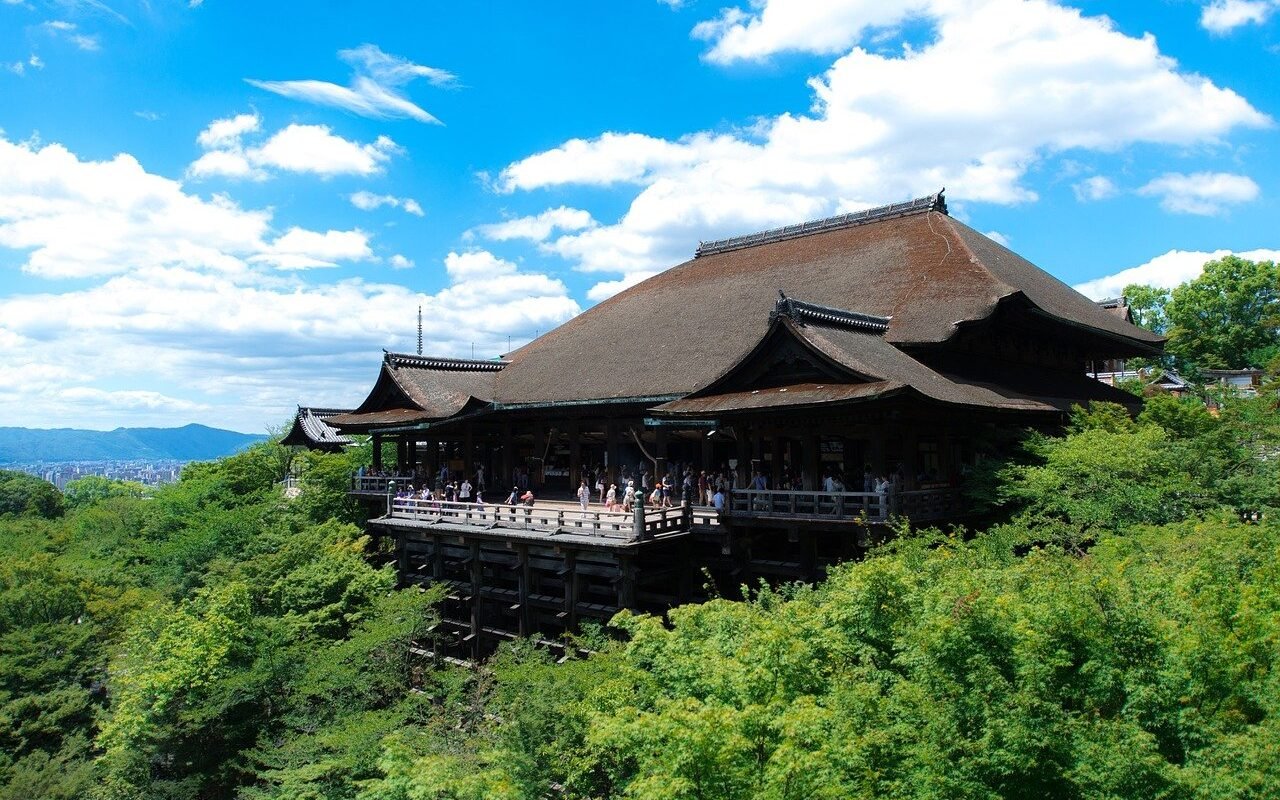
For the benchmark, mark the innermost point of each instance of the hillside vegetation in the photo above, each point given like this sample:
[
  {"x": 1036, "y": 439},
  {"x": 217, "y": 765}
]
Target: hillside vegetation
[{"x": 1114, "y": 635}]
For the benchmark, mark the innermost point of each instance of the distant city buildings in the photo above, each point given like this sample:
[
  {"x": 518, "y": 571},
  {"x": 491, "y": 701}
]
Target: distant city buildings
[{"x": 60, "y": 473}]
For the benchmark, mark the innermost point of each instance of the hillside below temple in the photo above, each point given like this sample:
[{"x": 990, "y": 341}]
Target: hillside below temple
[{"x": 840, "y": 372}]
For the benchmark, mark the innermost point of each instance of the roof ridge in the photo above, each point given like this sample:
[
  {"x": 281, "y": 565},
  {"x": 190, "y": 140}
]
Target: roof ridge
[
  {"x": 316, "y": 411},
  {"x": 803, "y": 312},
  {"x": 920, "y": 205},
  {"x": 396, "y": 360}
]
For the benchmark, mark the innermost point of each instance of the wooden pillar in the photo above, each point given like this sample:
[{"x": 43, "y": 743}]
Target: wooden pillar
[
  {"x": 660, "y": 452},
  {"x": 507, "y": 461},
  {"x": 575, "y": 457},
  {"x": 611, "y": 451},
  {"x": 540, "y": 452},
  {"x": 468, "y": 453},
  {"x": 775, "y": 482},
  {"x": 437, "y": 559},
  {"x": 431, "y": 460},
  {"x": 813, "y": 462},
  {"x": 571, "y": 589},
  {"x": 377, "y": 451},
  {"x": 402, "y": 454},
  {"x": 525, "y": 579},
  {"x": 477, "y": 577},
  {"x": 411, "y": 451},
  {"x": 627, "y": 583}
]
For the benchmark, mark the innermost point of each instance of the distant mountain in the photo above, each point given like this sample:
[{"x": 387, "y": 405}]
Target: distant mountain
[{"x": 188, "y": 443}]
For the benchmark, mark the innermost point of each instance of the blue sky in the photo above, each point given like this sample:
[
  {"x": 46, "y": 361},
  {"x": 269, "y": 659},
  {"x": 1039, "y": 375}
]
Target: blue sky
[{"x": 213, "y": 211}]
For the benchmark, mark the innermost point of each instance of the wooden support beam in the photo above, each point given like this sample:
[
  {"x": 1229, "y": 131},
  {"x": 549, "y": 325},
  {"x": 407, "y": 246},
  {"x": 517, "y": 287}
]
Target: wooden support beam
[
  {"x": 525, "y": 579},
  {"x": 627, "y": 584},
  {"x": 571, "y": 589},
  {"x": 477, "y": 578}
]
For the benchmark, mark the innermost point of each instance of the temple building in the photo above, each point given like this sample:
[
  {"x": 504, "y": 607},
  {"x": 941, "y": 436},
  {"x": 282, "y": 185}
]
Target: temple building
[{"x": 840, "y": 372}]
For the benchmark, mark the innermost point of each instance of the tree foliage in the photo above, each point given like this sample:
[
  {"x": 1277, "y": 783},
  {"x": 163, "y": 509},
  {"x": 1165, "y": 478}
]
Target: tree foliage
[{"x": 1226, "y": 318}]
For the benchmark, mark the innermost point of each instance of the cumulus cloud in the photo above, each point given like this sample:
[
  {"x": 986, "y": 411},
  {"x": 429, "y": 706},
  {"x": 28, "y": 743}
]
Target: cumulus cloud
[
  {"x": 1097, "y": 187},
  {"x": 1166, "y": 270},
  {"x": 1204, "y": 193},
  {"x": 368, "y": 201},
  {"x": 303, "y": 249},
  {"x": 399, "y": 261},
  {"x": 188, "y": 297},
  {"x": 299, "y": 148},
  {"x": 1001, "y": 86},
  {"x": 1224, "y": 16},
  {"x": 376, "y": 87},
  {"x": 82, "y": 219},
  {"x": 539, "y": 227}
]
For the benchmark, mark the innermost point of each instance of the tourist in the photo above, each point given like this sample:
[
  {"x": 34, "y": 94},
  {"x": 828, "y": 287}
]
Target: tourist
[
  {"x": 629, "y": 496},
  {"x": 611, "y": 499},
  {"x": 600, "y": 484},
  {"x": 514, "y": 496},
  {"x": 584, "y": 496},
  {"x": 464, "y": 491},
  {"x": 717, "y": 500},
  {"x": 479, "y": 479},
  {"x": 527, "y": 498}
]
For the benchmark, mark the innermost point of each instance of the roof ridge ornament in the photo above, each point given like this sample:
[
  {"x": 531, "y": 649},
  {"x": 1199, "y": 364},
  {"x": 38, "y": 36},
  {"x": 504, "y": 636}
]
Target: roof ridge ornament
[
  {"x": 397, "y": 360},
  {"x": 803, "y": 313},
  {"x": 920, "y": 205}
]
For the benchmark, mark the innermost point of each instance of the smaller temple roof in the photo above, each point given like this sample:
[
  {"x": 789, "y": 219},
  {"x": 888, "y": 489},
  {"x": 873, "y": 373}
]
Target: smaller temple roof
[
  {"x": 861, "y": 365},
  {"x": 413, "y": 388},
  {"x": 312, "y": 430}
]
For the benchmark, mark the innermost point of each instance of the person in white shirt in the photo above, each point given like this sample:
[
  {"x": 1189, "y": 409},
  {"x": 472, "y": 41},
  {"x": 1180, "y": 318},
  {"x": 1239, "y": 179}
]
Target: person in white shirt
[
  {"x": 584, "y": 496},
  {"x": 464, "y": 491}
]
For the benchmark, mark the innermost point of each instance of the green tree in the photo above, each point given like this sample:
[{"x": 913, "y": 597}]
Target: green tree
[
  {"x": 1148, "y": 306},
  {"x": 96, "y": 488},
  {"x": 1228, "y": 317},
  {"x": 23, "y": 494}
]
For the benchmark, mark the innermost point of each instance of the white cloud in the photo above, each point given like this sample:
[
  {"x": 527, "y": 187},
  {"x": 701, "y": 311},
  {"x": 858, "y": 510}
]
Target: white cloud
[
  {"x": 997, "y": 237},
  {"x": 149, "y": 116},
  {"x": 226, "y": 133},
  {"x": 606, "y": 289},
  {"x": 60, "y": 28},
  {"x": 303, "y": 249},
  {"x": 184, "y": 295},
  {"x": 78, "y": 219},
  {"x": 829, "y": 26},
  {"x": 375, "y": 88},
  {"x": 1166, "y": 270},
  {"x": 398, "y": 261},
  {"x": 1224, "y": 16},
  {"x": 1002, "y": 86},
  {"x": 295, "y": 148},
  {"x": 35, "y": 61},
  {"x": 17, "y": 68},
  {"x": 538, "y": 227},
  {"x": 1097, "y": 187},
  {"x": 1205, "y": 193},
  {"x": 368, "y": 201}
]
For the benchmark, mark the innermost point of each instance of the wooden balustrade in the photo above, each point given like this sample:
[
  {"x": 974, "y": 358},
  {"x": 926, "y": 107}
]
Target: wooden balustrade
[
  {"x": 371, "y": 484},
  {"x": 918, "y": 505},
  {"x": 548, "y": 520}
]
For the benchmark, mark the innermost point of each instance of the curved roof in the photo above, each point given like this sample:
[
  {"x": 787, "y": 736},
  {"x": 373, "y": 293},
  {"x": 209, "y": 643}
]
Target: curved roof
[
  {"x": 677, "y": 331},
  {"x": 412, "y": 389},
  {"x": 311, "y": 429}
]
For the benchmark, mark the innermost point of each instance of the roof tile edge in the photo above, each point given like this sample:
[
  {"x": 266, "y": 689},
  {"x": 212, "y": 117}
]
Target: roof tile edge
[
  {"x": 397, "y": 360},
  {"x": 920, "y": 205}
]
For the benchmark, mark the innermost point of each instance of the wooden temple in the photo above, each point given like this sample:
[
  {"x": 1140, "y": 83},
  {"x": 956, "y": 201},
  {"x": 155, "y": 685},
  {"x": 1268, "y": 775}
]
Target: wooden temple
[{"x": 839, "y": 373}]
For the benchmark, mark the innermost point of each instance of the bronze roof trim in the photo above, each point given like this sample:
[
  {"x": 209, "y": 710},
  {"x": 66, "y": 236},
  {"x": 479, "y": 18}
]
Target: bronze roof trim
[
  {"x": 920, "y": 205},
  {"x": 802, "y": 312},
  {"x": 397, "y": 360}
]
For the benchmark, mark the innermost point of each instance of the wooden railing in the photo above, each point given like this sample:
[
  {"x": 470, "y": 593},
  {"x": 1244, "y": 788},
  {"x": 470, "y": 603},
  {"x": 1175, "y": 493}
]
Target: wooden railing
[
  {"x": 622, "y": 525},
  {"x": 371, "y": 484},
  {"x": 815, "y": 505},
  {"x": 917, "y": 505},
  {"x": 921, "y": 505}
]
